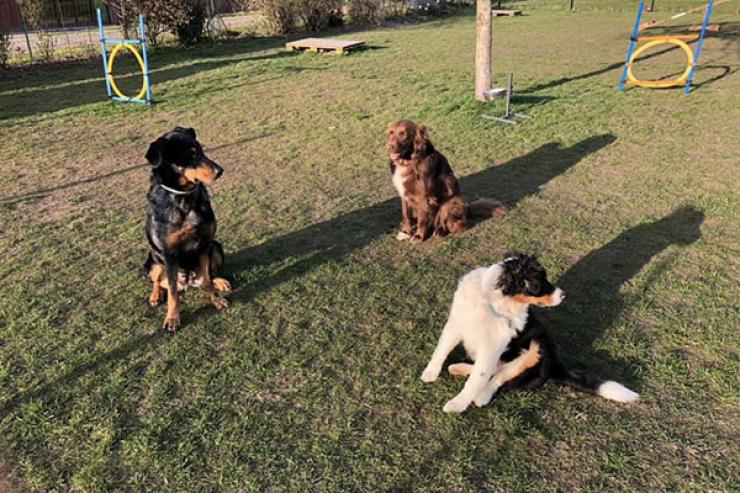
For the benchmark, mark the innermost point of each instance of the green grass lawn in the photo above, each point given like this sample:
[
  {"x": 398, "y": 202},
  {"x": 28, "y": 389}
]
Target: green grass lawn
[{"x": 310, "y": 380}]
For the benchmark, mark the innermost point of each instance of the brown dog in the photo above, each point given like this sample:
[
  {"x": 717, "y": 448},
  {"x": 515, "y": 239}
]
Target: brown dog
[{"x": 429, "y": 191}]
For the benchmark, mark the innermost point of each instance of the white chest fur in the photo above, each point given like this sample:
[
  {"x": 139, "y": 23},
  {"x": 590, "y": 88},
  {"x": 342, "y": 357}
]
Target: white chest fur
[{"x": 401, "y": 175}]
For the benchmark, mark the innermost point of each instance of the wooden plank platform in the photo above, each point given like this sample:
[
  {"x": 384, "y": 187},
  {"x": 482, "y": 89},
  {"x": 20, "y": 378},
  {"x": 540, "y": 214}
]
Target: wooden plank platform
[
  {"x": 710, "y": 28},
  {"x": 340, "y": 46},
  {"x": 497, "y": 12}
]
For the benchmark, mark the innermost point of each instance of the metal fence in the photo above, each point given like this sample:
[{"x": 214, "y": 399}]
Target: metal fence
[{"x": 61, "y": 14}]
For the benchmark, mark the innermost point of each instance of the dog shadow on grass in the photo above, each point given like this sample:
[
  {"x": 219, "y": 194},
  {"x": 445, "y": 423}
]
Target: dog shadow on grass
[
  {"x": 593, "y": 305},
  {"x": 331, "y": 240},
  {"x": 594, "y": 285},
  {"x": 594, "y": 300},
  {"x": 306, "y": 249}
]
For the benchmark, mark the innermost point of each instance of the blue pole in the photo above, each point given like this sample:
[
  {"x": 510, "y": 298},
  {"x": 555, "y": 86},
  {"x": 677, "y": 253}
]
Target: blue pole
[
  {"x": 148, "y": 83},
  {"x": 633, "y": 40},
  {"x": 104, "y": 49},
  {"x": 698, "y": 46}
]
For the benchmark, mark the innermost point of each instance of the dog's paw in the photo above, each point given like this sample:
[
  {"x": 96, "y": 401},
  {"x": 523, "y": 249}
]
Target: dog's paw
[
  {"x": 155, "y": 299},
  {"x": 485, "y": 397},
  {"x": 460, "y": 369},
  {"x": 417, "y": 238},
  {"x": 401, "y": 236},
  {"x": 219, "y": 302},
  {"x": 429, "y": 375},
  {"x": 222, "y": 284},
  {"x": 456, "y": 405},
  {"x": 172, "y": 323}
]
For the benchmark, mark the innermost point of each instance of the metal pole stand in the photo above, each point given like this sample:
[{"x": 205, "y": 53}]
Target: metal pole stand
[{"x": 510, "y": 116}]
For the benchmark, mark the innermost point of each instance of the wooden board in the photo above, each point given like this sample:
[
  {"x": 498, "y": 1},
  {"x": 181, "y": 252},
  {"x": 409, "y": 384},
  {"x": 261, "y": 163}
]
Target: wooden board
[
  {"x": 710, "y": 27},
  {"x": 497, "y": 13},
  {"x": 340, "y": 46}
]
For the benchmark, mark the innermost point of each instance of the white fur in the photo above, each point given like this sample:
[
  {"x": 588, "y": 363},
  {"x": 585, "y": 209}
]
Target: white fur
[
  {"x": 400, "y": 174},
  {"x": 616, "y": 392},
  {"x": 484, "y": 334},
  {"x": 558, "y": 296}
]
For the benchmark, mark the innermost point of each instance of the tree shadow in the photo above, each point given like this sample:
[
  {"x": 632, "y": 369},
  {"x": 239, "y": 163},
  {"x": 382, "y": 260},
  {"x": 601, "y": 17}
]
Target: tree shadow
[
  {"x": 35, "y": 195},
  {"x": 75, "y": 83},
  {"x": 305, "y": 249},
  {"x": 593, "y": 73},
  {"x": 594, "y": 283},
  {"x": 69, "y": 94},
  {"x": 728, "y": 32},
  {"x": 41, "y": 193}
]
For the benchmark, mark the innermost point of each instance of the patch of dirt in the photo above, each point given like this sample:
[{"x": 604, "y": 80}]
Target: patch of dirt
[{"x": 6, "y": 485}]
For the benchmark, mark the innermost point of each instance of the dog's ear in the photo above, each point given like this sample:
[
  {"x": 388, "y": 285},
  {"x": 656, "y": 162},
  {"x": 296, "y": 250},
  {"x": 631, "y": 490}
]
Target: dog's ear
[
  {"x": 154, "y": 154},
  {"x": 188, "y": 131},
  {"x": 421, "y": 141},
  {"x": 511, "y": 281}
]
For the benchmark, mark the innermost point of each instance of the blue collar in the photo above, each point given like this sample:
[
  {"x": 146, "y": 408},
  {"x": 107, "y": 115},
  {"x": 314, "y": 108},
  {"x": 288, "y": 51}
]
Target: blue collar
[{"x": 498, "y": 314}]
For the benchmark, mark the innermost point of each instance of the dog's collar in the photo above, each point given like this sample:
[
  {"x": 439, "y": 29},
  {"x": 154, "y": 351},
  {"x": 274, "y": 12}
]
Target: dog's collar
[
  {"x": 498, "y": 314},
  {"x": 179, "y": 192}
]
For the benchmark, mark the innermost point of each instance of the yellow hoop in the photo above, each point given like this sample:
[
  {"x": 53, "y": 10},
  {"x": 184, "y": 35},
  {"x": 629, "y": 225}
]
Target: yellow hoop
[
  {"x": 661, "y": 83},
  {"x": 112, "y": 57}
]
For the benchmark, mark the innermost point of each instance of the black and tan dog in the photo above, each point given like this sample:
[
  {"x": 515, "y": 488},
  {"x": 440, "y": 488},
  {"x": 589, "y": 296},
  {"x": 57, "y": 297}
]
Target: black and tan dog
[{"x": 180, "y": 225}]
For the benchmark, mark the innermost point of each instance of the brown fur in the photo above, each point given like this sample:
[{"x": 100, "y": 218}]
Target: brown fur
[
  {"x": 430, "y": 193},
  {"x": 505, "y": 372},
  {"x": 534, "y": 300},
  {"x": 203, "y": 173}
]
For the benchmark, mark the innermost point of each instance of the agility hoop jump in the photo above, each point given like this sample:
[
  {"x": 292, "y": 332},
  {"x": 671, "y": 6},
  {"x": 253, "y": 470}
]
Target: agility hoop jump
[
  {"x": 679, "y": 40},
  {"x": 114, "y": 93}
]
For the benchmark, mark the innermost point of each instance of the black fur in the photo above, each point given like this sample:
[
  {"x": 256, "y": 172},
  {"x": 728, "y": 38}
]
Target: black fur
[
  {"x": 524, "y": 275},
  {"x": 180, "y": 224}
]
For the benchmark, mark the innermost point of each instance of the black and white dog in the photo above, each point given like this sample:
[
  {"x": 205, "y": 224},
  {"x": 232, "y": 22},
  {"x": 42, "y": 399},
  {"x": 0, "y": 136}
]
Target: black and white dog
[{"x": 490, "y": 316}]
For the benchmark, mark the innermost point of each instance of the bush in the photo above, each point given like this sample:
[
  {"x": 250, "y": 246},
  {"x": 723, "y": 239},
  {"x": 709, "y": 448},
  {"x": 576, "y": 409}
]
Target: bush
[
  {"x": 4, "y": 47},
  {"x": 160, "y": 16},
  {"x": 365, "y": 11},
  {"x": 281, "y": 14},
  {"x": 317, "y": 14},
  {"x": 33, "y": 12},
  {"x": 191, "y": 31}
]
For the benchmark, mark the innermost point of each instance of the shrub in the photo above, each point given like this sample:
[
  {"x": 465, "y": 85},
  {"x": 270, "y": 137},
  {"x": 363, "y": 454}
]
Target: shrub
[
  {"x": 45, "y": 44},
  {"x": 161, "y": 16},
  {"x": 33, "y": 12},
  {"x": 365, "y": 11},
  {"x": 4, "y": 46},
  {"x": 190, "y": 32},
  {"x": 281, "y": 14},
  {"x": 317, "y": 14}
]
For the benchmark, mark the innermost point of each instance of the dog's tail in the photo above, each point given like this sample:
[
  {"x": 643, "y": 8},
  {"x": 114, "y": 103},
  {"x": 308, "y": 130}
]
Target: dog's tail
[
  {"x": 607, "y": 389},
  {"x": 485, "y": 208}
]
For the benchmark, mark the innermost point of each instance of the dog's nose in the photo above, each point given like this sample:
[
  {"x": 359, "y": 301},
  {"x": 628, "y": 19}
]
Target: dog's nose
[
  {"x": 219, "y": 170},
  {"x": 562, "y": 294}
]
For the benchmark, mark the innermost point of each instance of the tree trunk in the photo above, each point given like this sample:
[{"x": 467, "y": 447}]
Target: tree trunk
[{"x": 483, "y": 41}]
